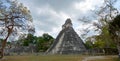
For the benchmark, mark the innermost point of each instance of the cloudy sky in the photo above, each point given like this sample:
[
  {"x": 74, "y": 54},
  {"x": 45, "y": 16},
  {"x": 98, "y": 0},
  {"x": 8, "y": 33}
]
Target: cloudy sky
[{"x": 50, "y": 15}]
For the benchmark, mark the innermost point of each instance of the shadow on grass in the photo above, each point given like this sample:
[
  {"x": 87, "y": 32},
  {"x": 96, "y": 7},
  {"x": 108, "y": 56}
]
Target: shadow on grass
[{"x": 117, "y": 59}]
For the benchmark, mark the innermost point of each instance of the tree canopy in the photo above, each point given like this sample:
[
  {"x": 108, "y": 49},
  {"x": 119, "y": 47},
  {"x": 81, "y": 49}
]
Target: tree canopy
[{"x": 16, "y": 17}]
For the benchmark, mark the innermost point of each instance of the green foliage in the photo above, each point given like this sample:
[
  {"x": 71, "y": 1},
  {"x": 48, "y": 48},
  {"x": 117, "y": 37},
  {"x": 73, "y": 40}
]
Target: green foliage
[
  {"x": 103, "y": 40},
  {"x": 89, "y": 44},
  {"x": 42, "y": 42},
  {"x": 99, "y": 44},
  {"x": 27, "y": 40},
  {"x": 114, "y": 27},
  {"x": 1, "y": 40}
]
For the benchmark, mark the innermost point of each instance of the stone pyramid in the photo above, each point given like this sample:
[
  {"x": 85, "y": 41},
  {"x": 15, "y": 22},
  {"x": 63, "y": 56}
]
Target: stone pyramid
[{"x": 67, "y": 41}]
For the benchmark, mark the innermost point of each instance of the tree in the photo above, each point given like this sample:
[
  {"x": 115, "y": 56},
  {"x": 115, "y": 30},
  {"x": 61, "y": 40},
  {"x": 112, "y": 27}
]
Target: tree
[
  {"x": 44, "y": 42},
  {"x": 105, "y": 38},
  {"x": 15, "y": 20},
  {"x": 29, "y": 39},
  {"x": 89, "y": 44},
  {"x": 106, "y": 14},
  {"x": 114, "y": 29}
]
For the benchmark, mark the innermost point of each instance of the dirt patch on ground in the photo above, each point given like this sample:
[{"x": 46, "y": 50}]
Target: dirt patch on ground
[{"x": 97, "y": 58}]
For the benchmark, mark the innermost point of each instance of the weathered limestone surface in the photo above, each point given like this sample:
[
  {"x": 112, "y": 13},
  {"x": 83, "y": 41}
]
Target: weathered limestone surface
[{"x": 67, "y": 42}]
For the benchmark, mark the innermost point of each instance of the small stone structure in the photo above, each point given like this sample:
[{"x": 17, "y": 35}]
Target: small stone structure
[{"x": 67, "y": 42}]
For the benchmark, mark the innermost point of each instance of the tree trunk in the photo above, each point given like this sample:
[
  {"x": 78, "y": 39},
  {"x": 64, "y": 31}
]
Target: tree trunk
[
  {"x": 3, "y": 46},
  {"x": 4, "y": 42},
  {"x": 118, "y": 47}
]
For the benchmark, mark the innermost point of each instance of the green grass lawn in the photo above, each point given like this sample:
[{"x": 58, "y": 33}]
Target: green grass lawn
[
  {"x": 44, "y": 58},
  {"x": 55, "y": 58}
]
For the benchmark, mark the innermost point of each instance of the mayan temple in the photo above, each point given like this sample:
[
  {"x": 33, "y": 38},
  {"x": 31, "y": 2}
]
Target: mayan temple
[{"x": 67, "y": 41}]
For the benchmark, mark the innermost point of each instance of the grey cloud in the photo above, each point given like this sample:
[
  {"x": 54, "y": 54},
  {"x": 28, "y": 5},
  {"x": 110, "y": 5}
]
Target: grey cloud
[
  {"x": 62, "y": 4},
  {"x": 46, "y": 21},
  {"x": 57, "y": 5}
]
